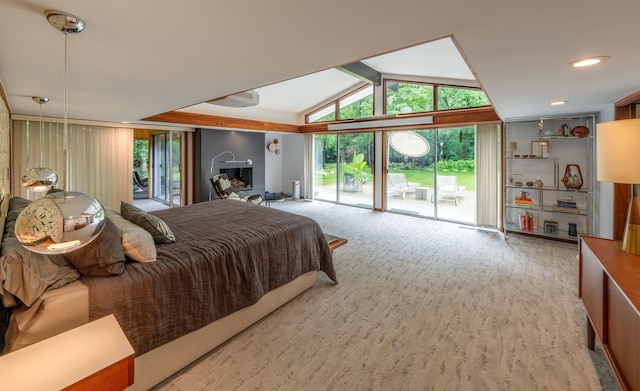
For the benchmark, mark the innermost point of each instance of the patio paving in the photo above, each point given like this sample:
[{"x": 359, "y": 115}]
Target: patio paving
[{"x": 447, "y": 210}]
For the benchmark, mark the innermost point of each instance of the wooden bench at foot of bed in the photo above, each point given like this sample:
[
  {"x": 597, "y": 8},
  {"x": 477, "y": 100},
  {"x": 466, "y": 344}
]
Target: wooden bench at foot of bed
[{"x": 335, "y": 241}]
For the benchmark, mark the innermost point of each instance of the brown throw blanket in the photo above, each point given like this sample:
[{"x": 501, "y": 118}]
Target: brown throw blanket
[{"x": 227, "y": 255}]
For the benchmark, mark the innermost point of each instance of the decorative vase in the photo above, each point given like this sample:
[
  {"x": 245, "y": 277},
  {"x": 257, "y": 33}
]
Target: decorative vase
[{"x": 538, "y": 183}]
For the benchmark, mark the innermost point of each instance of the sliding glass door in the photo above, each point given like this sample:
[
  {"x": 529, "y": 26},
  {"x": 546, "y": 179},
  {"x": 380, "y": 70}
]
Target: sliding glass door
[
  {"x": 410, "y": 172},
  {"x": 343, "y": 168},
  {"x": 455, "y": 182},
  {"x": 431, "y": 173},
  {"x": 166, "y": 170}
]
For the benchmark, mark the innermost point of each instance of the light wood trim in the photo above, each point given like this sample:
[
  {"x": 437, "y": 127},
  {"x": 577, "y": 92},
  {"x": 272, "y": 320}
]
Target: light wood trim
[
  {"x": 458, "y": 117},
  {"x": 631, "y": 99},
  {"x": 117, "y": 376},
  {"x": 178, "y": 117}
]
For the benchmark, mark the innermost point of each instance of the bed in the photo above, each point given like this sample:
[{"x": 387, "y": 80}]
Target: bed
[{"x": 229, "y": 264}]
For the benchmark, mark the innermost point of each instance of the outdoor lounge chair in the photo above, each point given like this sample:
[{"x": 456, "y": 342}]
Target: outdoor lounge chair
[
  {"x": 398, "y": 184},
  {"x": 447, "y": 187}
]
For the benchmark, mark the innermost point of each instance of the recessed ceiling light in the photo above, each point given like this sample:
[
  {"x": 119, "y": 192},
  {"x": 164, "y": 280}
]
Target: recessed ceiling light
[
  {"x": 558, "y": 102},
  {"x": 585, "y": 62}
]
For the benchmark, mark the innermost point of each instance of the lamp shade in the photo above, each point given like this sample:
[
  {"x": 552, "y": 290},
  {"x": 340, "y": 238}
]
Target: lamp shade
[
  {"x": 512, "y": 146},
  {"x": 618, "y": 151},
  {"x": 60, "y": 222},
  {"x": 39, "y": 179}
]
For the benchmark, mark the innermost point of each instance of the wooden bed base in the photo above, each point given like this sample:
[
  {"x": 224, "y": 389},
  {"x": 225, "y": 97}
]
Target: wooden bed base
[{"x": 162, "y": 362}]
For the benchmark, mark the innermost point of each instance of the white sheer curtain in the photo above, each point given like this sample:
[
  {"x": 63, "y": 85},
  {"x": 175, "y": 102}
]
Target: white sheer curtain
[
  {"x": 488, "y": 174},
  {"x": 100, "y": 159},
  {"x": 309, "y": 159}
]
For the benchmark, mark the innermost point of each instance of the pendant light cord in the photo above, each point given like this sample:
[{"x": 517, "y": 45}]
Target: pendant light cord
[{"x": 65, "y": 138}]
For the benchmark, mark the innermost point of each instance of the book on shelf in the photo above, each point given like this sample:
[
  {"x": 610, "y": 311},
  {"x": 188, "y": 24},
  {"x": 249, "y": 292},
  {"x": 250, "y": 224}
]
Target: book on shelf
[
  {"x": 566, "y": 210},
  {"x": 521, "y": 201},
  {"x": 567, "y": 204},
  {"x": 526, "y": 222}
]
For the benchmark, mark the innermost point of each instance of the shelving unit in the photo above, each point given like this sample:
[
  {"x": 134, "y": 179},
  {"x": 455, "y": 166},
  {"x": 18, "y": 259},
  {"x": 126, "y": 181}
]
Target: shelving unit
[{"x": 554, "y": 211}]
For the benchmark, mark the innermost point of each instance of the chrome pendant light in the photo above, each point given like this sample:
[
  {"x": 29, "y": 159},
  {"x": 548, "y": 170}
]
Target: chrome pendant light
[
  {"x": 39, "y": 179},
  {"x": 62, "y": 221}
]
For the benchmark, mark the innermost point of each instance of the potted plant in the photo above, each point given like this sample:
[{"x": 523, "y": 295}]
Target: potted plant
[{"x": 354, "y": 173}]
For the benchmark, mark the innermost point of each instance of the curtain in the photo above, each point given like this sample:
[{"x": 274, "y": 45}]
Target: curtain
[
  {"x": 98, "y": 160},
  {"x": 307, "y": 191},
  {"x": 488, "y": 175}
]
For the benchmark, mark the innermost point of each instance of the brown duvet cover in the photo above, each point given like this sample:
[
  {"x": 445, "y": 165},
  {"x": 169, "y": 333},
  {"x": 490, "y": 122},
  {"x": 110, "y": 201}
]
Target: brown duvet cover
[{"x": 227, "y": 255}]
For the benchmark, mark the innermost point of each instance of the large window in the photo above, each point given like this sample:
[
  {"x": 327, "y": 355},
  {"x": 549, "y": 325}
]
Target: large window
[
  {"x": 354, "y": 105},
  {"x": 344, "y": 168},
  {"x": 412, "y": 97}
]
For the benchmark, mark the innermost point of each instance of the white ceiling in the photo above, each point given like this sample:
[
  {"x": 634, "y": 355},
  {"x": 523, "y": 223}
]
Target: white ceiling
[{"x": 140, "y": 58}]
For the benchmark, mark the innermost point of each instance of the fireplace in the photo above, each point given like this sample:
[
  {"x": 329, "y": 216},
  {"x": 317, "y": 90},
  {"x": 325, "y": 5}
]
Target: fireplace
[{"x": 241, "y": 178}]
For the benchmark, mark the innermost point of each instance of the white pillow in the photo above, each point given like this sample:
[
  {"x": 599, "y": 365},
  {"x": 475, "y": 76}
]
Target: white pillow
[{"x": 137, "y": 243}]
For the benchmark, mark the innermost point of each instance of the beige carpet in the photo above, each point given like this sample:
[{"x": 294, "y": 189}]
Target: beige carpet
[{"x": 420, "y": 305}]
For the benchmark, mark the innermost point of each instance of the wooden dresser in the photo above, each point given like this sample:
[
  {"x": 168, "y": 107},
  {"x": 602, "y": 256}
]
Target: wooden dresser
[{"x": 610, "y": 290}]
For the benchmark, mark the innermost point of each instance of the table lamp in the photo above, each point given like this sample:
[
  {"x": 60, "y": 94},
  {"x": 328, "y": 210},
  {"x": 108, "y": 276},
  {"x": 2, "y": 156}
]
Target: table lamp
[{"x": 618, "y": 161}]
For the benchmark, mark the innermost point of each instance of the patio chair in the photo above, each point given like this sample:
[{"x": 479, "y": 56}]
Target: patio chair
[
  {"x": 139, "y": 182},
  {"x": 447, "y": 187},
  {"x": 398, "y": 184}
]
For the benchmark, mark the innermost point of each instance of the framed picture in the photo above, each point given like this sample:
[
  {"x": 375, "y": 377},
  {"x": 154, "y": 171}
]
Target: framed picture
[
  {"x": 551, "y": 227},
  {"x": 540, "y": 148}
]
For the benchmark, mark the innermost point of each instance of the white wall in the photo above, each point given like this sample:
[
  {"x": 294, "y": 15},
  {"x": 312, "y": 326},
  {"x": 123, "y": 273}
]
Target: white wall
[
  {"x": 288, "y": 166},
  {"x": 273, "y": 164},
  {"x": 292, "y": 162}
]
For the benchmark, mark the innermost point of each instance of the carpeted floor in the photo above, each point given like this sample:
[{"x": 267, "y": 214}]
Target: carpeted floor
[{"x": 420, "y": 305}]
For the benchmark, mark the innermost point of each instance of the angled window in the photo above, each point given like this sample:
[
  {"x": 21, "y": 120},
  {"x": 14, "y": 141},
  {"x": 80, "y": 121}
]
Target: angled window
[
  {"x": 356, "y": 104},
  {"x": 461, "y": 98},
  {"x": 327, "y": 113},
  {"x": 403, "y": 97}
]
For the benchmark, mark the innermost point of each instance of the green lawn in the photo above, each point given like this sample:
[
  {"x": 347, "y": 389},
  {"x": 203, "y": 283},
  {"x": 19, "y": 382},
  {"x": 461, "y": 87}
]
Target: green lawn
[{"x": 425, "y": 178}]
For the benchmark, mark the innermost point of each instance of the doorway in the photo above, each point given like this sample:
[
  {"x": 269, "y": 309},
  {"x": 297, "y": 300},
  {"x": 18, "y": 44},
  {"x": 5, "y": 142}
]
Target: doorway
[{"x": 166, "y": 168}]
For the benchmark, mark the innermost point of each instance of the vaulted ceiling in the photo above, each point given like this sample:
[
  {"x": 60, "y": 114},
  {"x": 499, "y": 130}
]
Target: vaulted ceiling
[{"x": 139, "y": 59}]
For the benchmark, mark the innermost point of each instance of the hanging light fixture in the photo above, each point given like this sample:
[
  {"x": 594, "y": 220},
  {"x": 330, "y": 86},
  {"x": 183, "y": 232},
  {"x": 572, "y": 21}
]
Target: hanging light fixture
[
  {"x": 39, "y": 179},
  {"x": 63, "y": 221}
]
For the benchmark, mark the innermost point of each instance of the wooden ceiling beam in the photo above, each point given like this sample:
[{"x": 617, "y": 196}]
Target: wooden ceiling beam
[
  {"x": 214, "y": 121},
  {"x": 459, "y": 117}
]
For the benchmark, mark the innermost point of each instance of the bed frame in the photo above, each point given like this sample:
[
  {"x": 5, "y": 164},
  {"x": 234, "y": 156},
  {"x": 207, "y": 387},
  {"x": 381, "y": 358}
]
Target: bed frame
[{"x": 160, "y": 363}]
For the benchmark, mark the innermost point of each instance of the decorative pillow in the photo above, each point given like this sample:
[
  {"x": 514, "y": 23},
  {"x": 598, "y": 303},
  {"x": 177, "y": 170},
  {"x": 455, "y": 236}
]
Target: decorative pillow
[
  {"x": 26, "y": 275},
  {"x": 4, "y": 210},
  {"x": 137, "y": 243},
  {"x": 16, "y": 205},
  {"x": 158, "y": 229},
  {"x": 104, "y": 256}
]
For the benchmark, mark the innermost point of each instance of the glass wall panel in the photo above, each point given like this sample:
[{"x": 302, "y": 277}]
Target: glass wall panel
[
  {"x": 176, "y": 160},
  {"x": 410, "y": 163},
  {"x": 356, "y": 169},
  {"x": 325, "y": 167},
  {"x": 455, "y": 181}
]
